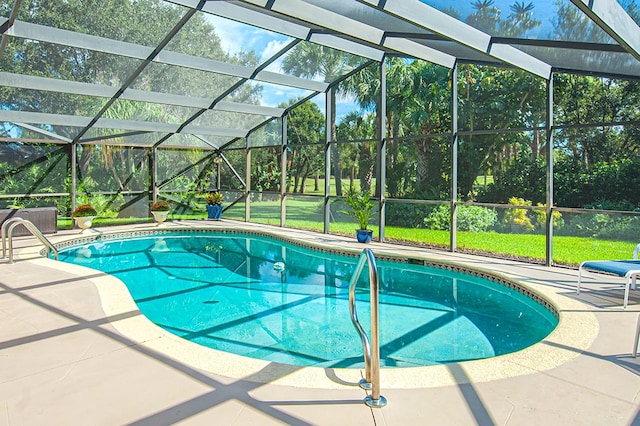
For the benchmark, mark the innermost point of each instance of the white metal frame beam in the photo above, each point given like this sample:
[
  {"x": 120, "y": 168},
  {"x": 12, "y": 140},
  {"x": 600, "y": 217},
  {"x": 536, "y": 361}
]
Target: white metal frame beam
[
  {"x": 115, "y": 47},
  {"x": 88, "y": 89},
  {"x": 612, "y": 18},
  {"x": 353, "y": 29},
  {"x": 432, "y": 19},
  {"x": 108, "y": 123}
]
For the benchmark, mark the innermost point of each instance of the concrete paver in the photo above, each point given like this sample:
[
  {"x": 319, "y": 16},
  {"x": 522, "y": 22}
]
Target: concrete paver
[{"x": 71, "y": 355}]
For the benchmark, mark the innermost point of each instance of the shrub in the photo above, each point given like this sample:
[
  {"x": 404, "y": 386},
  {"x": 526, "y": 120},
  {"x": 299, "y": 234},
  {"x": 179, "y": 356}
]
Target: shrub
[
  {"x": 524, "y": 176},
  {"x": 406, "y": 215},
  {"x": 602, "y": 226},
  {"x": 469, "y": 218},
  {"x": 540, "y": 218},
  {"x": 518, "y": 217}
]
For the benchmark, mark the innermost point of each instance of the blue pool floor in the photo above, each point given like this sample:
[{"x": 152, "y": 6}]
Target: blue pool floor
[{"x": 66, "y": 362}]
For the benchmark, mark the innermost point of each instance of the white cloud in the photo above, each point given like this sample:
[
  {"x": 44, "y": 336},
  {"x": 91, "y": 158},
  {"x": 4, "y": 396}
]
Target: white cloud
[
  {"x": 235, "y": 37},
  {"x": 228, "y": 31},
  {"x": 273, "y": 47}
]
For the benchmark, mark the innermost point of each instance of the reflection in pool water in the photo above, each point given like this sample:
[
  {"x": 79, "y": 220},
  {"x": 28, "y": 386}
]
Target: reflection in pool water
[{"x": 265, "y": 298}]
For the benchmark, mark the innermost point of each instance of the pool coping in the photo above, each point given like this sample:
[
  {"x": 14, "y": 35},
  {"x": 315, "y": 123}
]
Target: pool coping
[{"x": 575, "y": 332}]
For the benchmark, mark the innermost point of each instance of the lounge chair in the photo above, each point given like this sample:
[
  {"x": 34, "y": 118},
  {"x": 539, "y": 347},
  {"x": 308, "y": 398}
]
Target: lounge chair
[
  {"x": 629, "y": 269},
  {"x": 637, "y": 336}
]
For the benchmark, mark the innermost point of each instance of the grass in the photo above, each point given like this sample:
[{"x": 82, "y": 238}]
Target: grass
[
  {"x": 482, "y": 181},
  {"x": 305, "y": 212},
  {"x": 309, "y": 186},
  {"x": 566, "y": 250}
]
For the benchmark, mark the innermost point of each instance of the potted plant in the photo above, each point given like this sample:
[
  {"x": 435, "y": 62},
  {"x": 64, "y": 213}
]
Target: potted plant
[
  {"x": 160, "y": 211},
  {"x": 83, "y": 215},
  {"x": 214, "y": 205},
  {"x": 361, "y": 207}
]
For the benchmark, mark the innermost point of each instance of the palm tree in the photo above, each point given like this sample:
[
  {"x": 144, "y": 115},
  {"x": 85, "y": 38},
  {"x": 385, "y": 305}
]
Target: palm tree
[
  {"x": 417, "y": 101},
  {"x": 520, "y": 20},
  {"x": 311, "y": 60},
  {"x": 486, "y": 17},
  {"x": 365, "y": 88}
]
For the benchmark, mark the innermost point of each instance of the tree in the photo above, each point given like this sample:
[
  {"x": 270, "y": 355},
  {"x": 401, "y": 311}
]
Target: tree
[
  {"x": 311, "y": 60},
  {"x": 486, "y": 17},
  {"x": 144, "y": 22},
  {"x": 572, "y": 24},
  {"x": 418, "y": 103},
  {"x": 519, "y": 21},
  {"x": 497, "y": 99},
  {"x": 358, "y": 128},
  {"x": 305, "y": 132}
]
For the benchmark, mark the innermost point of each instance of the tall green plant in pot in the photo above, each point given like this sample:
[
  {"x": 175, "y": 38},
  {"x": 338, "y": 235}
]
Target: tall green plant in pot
[{"x": 361, "y": 207}]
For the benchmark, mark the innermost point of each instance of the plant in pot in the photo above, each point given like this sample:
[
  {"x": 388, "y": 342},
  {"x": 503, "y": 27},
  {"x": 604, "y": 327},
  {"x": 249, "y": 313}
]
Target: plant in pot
[
  {"x": 160, "y": 211},
  {"x": 83, "y": 215},
  {"x": 214, "y": 205},
  {"x": 361, "y": 207}
]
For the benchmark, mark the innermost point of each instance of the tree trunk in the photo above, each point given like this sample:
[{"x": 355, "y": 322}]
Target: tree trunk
[
  {"x": 365, "y": 172},
  {"x": 85, "y": 158},
  {"x": 352, "y": 176},
  {"x": 334, "y": 147}
]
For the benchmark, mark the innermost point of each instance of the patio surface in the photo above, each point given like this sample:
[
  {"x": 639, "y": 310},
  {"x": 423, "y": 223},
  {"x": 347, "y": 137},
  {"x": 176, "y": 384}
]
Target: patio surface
[{"x": 74, "y": 350}]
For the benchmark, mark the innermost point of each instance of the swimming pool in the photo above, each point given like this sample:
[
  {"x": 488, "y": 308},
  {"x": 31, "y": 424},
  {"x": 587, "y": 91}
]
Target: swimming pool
[{"x": 275, "y": 300}]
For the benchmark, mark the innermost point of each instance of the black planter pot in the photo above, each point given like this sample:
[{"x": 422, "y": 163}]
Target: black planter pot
[
  {"x": 364, "y": 235},
  {"x": 214, "y": 212}
]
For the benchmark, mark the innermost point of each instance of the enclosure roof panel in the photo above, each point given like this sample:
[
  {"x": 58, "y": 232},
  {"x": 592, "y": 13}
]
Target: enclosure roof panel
[{"x": 221, "y": 69}]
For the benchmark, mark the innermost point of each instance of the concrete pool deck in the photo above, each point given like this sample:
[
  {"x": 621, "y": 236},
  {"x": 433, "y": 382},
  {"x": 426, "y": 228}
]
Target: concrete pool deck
[{"x": 75, "y": 350}]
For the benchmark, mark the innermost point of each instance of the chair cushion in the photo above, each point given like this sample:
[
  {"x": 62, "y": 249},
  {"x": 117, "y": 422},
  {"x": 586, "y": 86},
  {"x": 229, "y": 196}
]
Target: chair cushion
[{"x": 617, "y": 267}]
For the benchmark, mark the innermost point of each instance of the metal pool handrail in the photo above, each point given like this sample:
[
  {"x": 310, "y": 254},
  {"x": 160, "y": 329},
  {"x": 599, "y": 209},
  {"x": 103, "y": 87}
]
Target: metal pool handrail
[
  {"x": 3, "y": 233},
  {"x": 7, "y": 235},
  {"x": 371, "y": 351}
]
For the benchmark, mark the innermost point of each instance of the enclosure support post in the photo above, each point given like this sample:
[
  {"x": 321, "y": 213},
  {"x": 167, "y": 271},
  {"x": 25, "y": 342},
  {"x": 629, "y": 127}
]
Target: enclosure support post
[
  {"x": 283, "y": 174},
  {"x": 247, "y": 187},
  {"x": 453, "y": 240},
  {"x": 327, "y": 160},
  {"x": 381, "y": 181},
  {"x": 218, "y": 163},
  {"x": 153, "y": 171},
  {"x": 549, "y": 189},
  {"x": 73, "y": 160}
]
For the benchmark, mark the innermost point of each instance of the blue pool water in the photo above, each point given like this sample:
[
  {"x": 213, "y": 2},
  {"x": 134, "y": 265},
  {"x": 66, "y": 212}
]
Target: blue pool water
[{"x": 228, "y": 291}]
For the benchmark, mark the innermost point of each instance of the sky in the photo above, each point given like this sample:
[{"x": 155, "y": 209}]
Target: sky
[
  {"x": 543, "y": 11},
  {"x": 235, "y": 36}
]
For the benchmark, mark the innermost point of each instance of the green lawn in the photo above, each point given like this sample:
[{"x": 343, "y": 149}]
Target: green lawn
[
  {"x": 309, "y": 187},
  {"x": 305, "y": 212},
  {"x": 566, "y": 250}
]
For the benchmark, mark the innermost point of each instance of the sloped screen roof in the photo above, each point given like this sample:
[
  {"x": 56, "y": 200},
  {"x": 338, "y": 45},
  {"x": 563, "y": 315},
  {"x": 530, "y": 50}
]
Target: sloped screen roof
[{"x": 190, "y": 73}]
